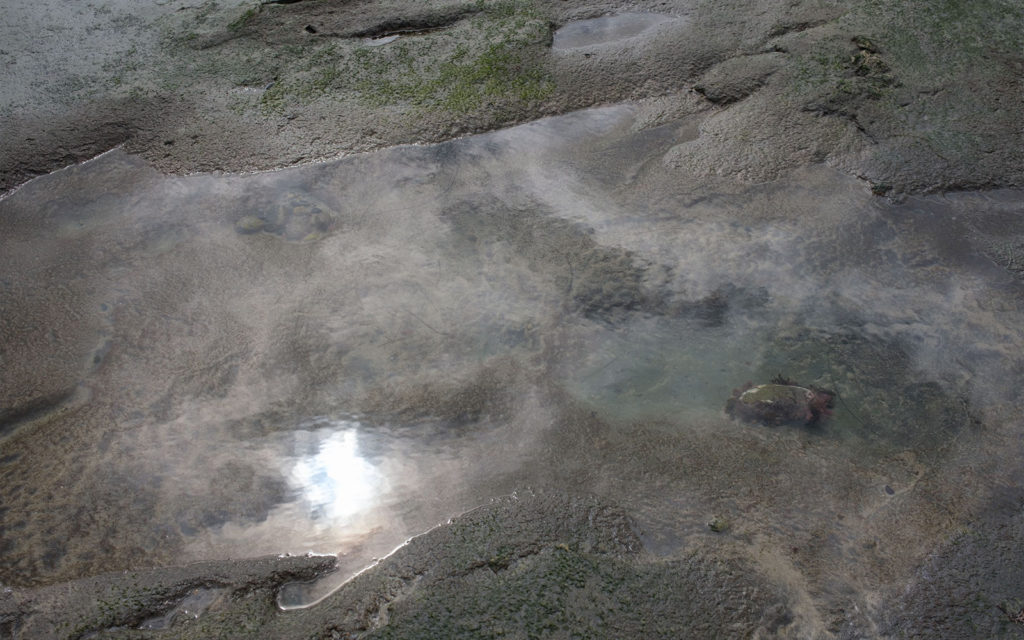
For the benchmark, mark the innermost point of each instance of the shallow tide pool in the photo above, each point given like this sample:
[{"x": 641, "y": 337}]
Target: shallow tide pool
[{"x": 336, "y": 357}]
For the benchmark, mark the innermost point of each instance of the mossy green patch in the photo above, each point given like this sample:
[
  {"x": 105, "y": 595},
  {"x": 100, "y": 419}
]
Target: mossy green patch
[
  {"x": 244, "y": 19},
  {"x": 489, "y": 60},
  {"x": 916, "y": 42},
  {"x": 946, "y": 36},
  {"x": 838, "y": 75}
]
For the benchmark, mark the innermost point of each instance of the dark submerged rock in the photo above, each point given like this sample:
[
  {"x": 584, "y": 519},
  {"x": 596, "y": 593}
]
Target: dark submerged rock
[{"x": 782, "y": 401}]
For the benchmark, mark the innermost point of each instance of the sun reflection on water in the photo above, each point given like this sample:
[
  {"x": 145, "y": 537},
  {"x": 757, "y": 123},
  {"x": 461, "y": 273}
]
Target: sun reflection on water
[{"x": 336, "y": 481}]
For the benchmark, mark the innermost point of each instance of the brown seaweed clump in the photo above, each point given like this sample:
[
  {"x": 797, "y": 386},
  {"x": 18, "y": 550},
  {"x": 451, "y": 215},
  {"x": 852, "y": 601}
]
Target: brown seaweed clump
[{"x": 781, "y": 401}]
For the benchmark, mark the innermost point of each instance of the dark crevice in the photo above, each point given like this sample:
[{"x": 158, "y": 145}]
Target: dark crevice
[
  {"x": 161, "y": 602},
  {"x": 10, "y": 624},
  {"x": 845, "y": 114},
  {"x": 413, "y": 25},
  {"x": 784, "y": 28},
  {"x": 721, "y": 99},
  {"x": 13, "y": 417}
]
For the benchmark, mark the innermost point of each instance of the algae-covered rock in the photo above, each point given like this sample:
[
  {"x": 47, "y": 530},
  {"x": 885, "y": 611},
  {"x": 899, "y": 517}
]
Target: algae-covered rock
[
  {"x": 718, "y": 524},
  {"x": 780, "y": 402},
  {"x": 250, "y": 224}
]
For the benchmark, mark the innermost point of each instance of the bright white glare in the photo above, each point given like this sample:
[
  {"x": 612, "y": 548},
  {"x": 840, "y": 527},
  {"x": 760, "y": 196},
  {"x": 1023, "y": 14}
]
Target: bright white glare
[{"x": 336, "y": 481}]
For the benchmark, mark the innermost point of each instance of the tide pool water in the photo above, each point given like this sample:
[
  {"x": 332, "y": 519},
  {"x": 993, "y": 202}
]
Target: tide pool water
[{"x": 337, "y": 357}]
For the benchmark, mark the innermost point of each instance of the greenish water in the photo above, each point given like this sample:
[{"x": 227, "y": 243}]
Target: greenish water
[{"x": 337, "y": 357}]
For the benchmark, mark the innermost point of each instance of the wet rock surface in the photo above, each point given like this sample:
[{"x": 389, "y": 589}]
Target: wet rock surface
[
  {"x": 236, "y": 86},
  {"x": 115, "y": 605},
  {"x": 781, "y": 401},
  {"x": 569, "y": 565},
  {"x": 573, "y": 588}
]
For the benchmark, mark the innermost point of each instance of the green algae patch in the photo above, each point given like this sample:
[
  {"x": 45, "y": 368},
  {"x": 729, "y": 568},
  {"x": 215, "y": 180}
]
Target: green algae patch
[
  {"x": 492, "y": 58},
  {"x": 937, "y": 36},
  {"x": 244, "y": 19}
]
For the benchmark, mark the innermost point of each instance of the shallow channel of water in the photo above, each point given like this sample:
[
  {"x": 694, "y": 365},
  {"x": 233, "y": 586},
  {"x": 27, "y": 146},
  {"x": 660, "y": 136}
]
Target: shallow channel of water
[
  {"x": 607, "y": 29},
  {"x": 334, "y": 358}
]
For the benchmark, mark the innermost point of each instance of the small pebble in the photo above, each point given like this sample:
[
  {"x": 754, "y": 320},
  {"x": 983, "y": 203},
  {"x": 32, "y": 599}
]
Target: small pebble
[{"x": 718, "y": 525}]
